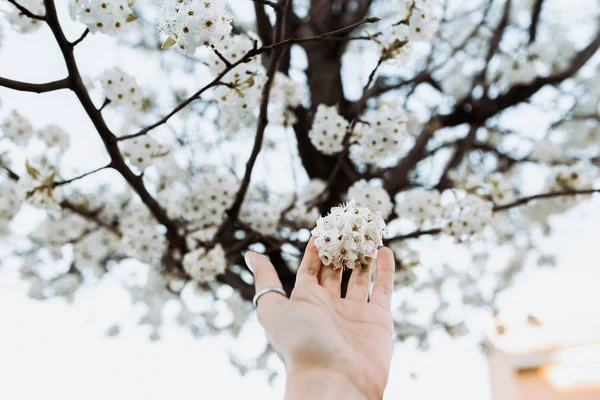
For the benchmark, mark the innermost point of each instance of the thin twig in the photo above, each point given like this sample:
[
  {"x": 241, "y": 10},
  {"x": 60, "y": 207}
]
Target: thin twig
[
  {"x": 27, "y": 12},
  {"x": 61, "y": 183},
  {"x": 83, "y": 36},
  {"x": 526, "y": 200}
]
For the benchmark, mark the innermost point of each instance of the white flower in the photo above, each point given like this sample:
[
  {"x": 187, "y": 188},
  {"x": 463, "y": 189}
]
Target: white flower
[
  {"x": 501, "y": 190},
  {"x": 519, "y": 72},
  {"x": 190, "y": 24},
  {"x": 146, "y": 243},
  {"x": 143, "y": 150},
  {"x": 93, "y": 248},
  {"x": 211, "y": 196},
  {"x": 365, "y": 194},
  {"x": 349, "y": 235},
  {"x": 380, "y": 136},
  {"x": 233, "y": 50},
  {"x": 262, "y": 217},
  {"x": 204, "y": 266},
  {"x": 328, "y": 130},
  {"x": 121, "y": 89},
  {"x": 17, "y": 128},
  {"x": 23, "y": 23},
  {"x": 468, "y": 217},
  {"x": 106, "y": 16},
  {"x": 419, "y": 205},
  {"x": 54, "y": 136},
  {"x": 10, "y": 200}
]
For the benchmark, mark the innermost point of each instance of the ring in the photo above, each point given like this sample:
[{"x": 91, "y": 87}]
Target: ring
[{"x": 265, "y": 291}]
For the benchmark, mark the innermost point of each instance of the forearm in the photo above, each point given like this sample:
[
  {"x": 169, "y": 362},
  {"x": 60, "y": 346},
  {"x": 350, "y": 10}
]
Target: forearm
[{"x": 317, "y": 384}]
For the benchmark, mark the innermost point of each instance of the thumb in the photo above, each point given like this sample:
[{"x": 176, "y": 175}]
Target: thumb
[{"x": 265, "y": 276}]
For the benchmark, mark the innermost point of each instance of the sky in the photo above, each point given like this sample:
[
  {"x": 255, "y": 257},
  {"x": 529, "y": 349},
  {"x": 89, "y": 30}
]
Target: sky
[{"x": 56, "y": 350}]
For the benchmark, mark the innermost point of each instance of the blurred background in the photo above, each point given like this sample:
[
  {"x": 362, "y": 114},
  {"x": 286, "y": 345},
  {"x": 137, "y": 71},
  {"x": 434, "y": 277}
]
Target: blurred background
[{"x": 538, "y": 337}]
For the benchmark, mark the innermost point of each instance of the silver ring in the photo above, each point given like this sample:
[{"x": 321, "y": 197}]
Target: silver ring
[{"x": 265, "y": 291}]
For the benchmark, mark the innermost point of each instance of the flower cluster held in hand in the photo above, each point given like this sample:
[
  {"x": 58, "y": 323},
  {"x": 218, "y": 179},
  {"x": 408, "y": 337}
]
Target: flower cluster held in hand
[{"x": 349, "y": 235}]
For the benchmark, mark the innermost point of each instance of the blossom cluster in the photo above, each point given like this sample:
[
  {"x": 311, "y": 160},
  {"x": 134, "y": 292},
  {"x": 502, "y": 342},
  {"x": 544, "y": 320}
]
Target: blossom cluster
[
  {"x": 380, "y": 135},
  {"x": 142, "y": 238},
  {"x": 211, "y": 196},
  {"x": 142, "y": 151},
  {"x": 106, "y": 16},
  {"x": 365, "y": 194},
  {"x": 121, "y": 89},
  {"x": 405, "y": 22},
  {"x": 328, "y": 130},
  {"x": 349, "y": 235},
  {"x": 189, "y": 24},
  {"x": 203, "y": 265},
  {"x": 468, "y": 217},
  {"x": 17, "y": 128},
  {"x": 420, "y": 206},
  {"x": 22, "y": 22}
]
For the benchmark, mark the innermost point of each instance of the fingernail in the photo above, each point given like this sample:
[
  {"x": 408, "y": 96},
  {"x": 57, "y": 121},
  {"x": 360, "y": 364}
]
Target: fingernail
[{"x": 248, "y": 257}]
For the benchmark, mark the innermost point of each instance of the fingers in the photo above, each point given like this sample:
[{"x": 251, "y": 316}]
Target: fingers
[
  {"x": 331, "y": 279},
  {"x": 265, "y": 276},
  {"x": 384, "y": 279},
  {"x": 311, "y": 264},
  {"x": 360, "y": 280}
]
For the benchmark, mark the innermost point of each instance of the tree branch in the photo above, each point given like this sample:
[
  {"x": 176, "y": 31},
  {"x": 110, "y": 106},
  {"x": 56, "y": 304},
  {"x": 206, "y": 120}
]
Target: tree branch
[
  {"x": 263, "y": 121},
  {"x": 108, "y": 138},
  {"x": 26, "y": 12},
  {"x": 526, "y": 200},
  {"x": 535, "y": 20},
  {"x": 83, "y": 36},
  {"x": 65, "y": 204},
  {"x": 61, "y": 183},
  {"x": 412, "y": 235},
  {"x": 460, "y": 153},
  {"x": 35, "y": 87}
]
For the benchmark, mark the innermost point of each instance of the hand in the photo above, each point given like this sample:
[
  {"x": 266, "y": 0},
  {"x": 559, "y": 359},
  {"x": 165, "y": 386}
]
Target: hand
[{"x": 332, "y": 347}]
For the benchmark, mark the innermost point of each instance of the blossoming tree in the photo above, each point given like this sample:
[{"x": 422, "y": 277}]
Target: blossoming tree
[{"x": 409, "y": 107}]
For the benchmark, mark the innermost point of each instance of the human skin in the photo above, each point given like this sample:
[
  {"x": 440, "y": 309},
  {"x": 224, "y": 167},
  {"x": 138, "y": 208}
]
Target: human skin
[{"x": 332, "y": 347}]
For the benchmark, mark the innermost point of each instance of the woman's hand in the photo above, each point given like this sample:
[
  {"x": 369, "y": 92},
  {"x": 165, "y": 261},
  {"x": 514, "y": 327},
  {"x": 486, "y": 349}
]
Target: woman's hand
[{"x": 333, "y": 348}]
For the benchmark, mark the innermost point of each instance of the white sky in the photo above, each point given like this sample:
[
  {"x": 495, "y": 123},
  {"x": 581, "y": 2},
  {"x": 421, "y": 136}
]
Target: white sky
[{"x": 54, "y": 350}]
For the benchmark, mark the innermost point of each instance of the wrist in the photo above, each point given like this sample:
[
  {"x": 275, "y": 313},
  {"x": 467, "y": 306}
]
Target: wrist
[{"x": 319, "y": 383}]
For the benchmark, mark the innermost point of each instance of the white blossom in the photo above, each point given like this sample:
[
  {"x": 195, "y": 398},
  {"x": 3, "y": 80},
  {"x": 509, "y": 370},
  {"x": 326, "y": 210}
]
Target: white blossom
[
  {"x": 210, "y": 197},
  {"x": 190, "y": 24},
  {"x": 106, "y": 16},
  {"x": 121, "y": 89},
  {"x": 420, "y": 205},
  {"x": 349, "y": 235},
  {"x": 365, "y": 194},
  {"x": 328, "y": 130},
  {"x": 143, "y": 150},
  {"x": 204, "y": 266},
  {"x": 23, "y": 23},
  {"x": 380, "y": 136},
  {"x": 54, "y": 136},
  {"x": 10, "y": 200},
  {"x": 17, "y": 128},
  {"x": 468, "y": 217},
  {"x": 262, "y": 217}
]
